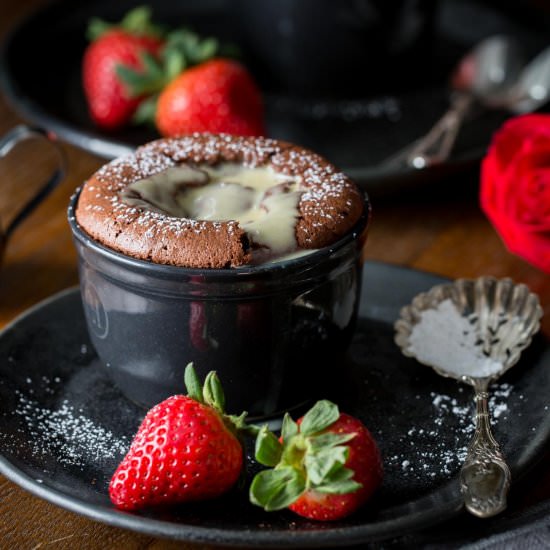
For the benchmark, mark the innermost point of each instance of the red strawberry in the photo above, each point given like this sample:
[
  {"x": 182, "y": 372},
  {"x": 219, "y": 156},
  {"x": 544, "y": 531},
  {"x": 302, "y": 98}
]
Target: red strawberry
[
  {"x": 215, "y": 96},
  {"x": 324, "y": 466},
  {"x": 185, "y": 449},
  {"x": 111, "y": 101}
]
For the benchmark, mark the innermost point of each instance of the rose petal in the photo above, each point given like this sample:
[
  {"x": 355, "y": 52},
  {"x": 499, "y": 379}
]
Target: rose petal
[
  {"x": 531, "y": 246},
  {"x": 515, "y": 187},
  {"x": 528, "y": 189}
]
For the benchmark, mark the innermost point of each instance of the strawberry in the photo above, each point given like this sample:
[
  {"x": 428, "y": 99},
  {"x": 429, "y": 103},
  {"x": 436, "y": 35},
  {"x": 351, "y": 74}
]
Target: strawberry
[
  {"x": 111, "y": 101},
  {"x": 324, "y": 466},
  {"x": 216, "y": 96},
  {"x": 185, "y": 449}
]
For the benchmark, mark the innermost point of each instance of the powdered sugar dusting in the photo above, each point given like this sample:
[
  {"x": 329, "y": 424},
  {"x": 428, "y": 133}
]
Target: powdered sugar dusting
[
  {"x": 67, "y": 433},
  {"x": 425, "y": 453},
  {"x": 446, "y": 339},
  {"x": 322, "y": 183}
]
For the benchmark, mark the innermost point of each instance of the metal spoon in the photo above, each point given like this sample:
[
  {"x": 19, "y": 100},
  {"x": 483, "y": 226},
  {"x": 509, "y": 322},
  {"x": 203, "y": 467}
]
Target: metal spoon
[
  {"x": 489, "y": 322},
  {"x": 533, "y": 87},
  {"x": 485, "y": 75}
]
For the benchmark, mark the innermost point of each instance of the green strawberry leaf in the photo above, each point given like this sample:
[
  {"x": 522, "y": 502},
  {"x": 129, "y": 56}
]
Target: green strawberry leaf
[
  {"x": 186, "y": 47},
  {"x": 148, "y": 80},
  {"x": 138, "y": 21},
  {"x": 205, "y": 50},
  {"x": 339, "y": 482},
  {"x": 174, "y": 62},
  {"x": 320, "y": 416},
  {"x": 322, "y": 464},
  {"x": 146, "y": 111},
  {"x": 327, "y": 440},
  {"x": 136, "y": 81},
  {"x": 96, "y": 28},
  {"x": 276, "y": 489},
  {"x": 268, "y": 448},
  {"x": 213, "y": 392},
  {"x": 151, "y": 66},
  {"x": 189, "y": 39},
  {"x": 289, "y": 428},
  {"x": 192, "y": 383}
]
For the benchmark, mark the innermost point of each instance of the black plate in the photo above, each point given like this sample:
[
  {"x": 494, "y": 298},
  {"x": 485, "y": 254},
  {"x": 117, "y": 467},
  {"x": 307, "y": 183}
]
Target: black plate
[
  {"x": 40, "y": 73},
  {"x": 64, "y": 427}
]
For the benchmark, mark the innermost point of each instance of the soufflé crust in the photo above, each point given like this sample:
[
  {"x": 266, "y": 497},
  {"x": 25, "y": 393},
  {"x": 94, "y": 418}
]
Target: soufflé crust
[{"x": 329, "y": 204}]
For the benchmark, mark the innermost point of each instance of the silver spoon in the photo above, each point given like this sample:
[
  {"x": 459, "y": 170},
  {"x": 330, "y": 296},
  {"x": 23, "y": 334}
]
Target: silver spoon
[
  {"x": 533, "y": 87},
  {"x": 484, "y": 75},
  {"x": 473, "y": 331}
]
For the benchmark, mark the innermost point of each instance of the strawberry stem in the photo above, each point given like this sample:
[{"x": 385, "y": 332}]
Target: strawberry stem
[
  {"x": 268, "y": 449},
  {"x": 96, "y": 28},
  {"x": 211, "y": 394},
  {"x": 240, "y": 423}
]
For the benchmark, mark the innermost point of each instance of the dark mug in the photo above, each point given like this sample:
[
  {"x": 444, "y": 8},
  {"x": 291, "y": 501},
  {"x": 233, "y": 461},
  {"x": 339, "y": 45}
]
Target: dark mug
[{"x": 7, "y": 143}]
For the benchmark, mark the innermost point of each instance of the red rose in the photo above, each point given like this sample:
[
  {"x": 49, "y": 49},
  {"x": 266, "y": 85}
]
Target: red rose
[{"x": 515, "y": 187}]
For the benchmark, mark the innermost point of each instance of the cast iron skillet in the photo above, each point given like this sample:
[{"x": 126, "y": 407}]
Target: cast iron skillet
[{"x": 40, "y": 74}]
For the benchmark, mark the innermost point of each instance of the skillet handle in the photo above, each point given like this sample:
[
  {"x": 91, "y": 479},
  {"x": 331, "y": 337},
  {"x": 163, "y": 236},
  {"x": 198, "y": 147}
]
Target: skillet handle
[{"x": 8, "y": 142}]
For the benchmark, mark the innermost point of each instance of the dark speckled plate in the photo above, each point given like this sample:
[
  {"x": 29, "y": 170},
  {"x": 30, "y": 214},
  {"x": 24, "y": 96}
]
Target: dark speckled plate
[{"x": 64, "y": 427}]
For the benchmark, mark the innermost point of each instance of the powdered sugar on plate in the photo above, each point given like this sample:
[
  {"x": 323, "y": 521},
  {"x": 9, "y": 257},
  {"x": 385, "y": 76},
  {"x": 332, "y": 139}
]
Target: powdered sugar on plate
[
  {"x": 68, "y": 433},
  {"x": 425, "y": 454},
  {"x": 77, "y": 438},
  {"x": 445, "y": 339}
]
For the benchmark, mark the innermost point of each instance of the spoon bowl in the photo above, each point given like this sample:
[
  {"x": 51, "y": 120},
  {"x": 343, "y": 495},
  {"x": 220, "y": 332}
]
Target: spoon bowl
[
  {"x": 533, "y": 87},
  {"x": 473, "y": 330},
  {"x": 491, "y": 68},
  {"x": 502, "y": 316}
]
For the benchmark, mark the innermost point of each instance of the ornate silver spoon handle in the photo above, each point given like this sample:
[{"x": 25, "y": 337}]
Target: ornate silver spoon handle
[
  {"x": 485, "y": 476},
  {"x": 436, "y": 146}
]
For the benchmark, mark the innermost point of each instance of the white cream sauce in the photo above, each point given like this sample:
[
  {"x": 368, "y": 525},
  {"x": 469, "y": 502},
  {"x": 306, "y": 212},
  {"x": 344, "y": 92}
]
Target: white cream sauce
[{"x": 262, "y": 201}]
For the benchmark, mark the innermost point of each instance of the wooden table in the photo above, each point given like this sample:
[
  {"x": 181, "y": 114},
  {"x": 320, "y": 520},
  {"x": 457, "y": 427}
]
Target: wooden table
[{"x": 439, "y": 229}]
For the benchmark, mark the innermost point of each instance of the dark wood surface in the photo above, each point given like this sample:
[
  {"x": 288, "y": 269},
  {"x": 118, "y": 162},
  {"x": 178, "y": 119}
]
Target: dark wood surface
[{"x": 439, "y": 229}]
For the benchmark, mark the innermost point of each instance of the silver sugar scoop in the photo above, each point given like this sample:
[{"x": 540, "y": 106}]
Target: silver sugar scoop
[{"x": 473, "y": 330}]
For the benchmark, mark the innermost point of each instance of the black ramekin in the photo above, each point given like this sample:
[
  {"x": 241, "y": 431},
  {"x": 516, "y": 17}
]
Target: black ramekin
[{"x": 270, "y": 331}]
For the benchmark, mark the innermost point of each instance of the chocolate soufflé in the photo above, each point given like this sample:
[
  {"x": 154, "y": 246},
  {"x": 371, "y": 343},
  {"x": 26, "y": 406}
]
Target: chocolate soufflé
[{"x": 193, "y": 202}]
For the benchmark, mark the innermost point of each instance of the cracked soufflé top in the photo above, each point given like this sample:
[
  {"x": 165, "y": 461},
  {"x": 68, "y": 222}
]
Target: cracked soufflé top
[{"x": 218, "y": 201}]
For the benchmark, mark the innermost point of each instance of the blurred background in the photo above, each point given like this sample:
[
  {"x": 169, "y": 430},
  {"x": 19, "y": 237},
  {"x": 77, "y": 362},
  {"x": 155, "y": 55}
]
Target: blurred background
[{"x": 356, "y": 80}]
